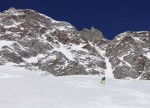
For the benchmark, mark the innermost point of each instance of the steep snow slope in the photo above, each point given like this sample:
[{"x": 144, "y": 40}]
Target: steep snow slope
[{"x": 20, "y": 88}]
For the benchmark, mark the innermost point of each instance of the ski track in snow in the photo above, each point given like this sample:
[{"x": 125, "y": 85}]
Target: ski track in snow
[
  {"x": 28, "y": 89},
  {"x": 143, "y": 98}
]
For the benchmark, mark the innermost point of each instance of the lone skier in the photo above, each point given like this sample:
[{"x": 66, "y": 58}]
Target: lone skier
[{"x": 102, "y": 80}]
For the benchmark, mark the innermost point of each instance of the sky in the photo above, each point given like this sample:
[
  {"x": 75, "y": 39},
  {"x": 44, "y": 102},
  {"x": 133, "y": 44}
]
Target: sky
[{"x": 112, "y": 17}]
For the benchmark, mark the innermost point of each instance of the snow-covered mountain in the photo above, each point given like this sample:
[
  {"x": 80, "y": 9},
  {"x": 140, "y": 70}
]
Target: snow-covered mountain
[
  {"x": 34, "y": 41},
  {"x": 31, "y": 39},
  {"x": 129, "y": 55}
]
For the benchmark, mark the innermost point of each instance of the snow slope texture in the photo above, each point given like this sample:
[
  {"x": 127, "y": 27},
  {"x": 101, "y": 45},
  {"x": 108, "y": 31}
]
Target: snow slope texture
[{"x": 30, "y": 89}]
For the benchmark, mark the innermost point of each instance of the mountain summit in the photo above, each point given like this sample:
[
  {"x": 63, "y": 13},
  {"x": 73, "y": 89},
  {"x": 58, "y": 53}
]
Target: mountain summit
[{"x": 32, "y": 40}]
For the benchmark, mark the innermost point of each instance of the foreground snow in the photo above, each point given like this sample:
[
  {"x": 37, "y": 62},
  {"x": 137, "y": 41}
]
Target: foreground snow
[{"x": 20, "y": 88}]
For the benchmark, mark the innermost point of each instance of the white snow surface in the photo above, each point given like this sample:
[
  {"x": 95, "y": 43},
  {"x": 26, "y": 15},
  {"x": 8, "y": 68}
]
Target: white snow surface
[
  {"x": 21, "y": 88},
  {"x": 34, "y": 59},
  {"x": 65, "y": 51},
  {"x": 5, "y": 43},
  {"x": 109, "y": 70},
  {"x": 147, "y": 55}
]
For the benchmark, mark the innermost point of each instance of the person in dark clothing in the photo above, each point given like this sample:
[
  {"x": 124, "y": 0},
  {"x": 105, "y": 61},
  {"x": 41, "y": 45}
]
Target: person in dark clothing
[{"x": 103, "y": 80}]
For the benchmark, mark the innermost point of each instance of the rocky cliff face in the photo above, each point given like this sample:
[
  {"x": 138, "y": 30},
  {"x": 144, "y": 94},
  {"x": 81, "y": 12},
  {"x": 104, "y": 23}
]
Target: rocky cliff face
[
  {"x": 30, "y": 39},
  {"x": 33, "y": 40},
  {"x": 129, "y": 55}
]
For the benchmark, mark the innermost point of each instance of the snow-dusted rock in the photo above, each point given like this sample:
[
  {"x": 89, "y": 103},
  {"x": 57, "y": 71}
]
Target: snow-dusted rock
[
  {"x": 64, "y": 50},
  {"x": 35, "y": 40},
  {"x": 128, "y": 55}
]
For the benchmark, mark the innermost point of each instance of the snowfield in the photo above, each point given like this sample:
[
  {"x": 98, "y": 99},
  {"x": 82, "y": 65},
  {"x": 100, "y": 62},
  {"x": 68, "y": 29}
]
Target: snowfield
[{"x": 21, "y": 88}]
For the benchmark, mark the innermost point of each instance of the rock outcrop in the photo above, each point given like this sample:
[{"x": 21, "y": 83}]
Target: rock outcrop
[
  {"x": 32, "y": 38},
  {"x": 129, "y": 54}
]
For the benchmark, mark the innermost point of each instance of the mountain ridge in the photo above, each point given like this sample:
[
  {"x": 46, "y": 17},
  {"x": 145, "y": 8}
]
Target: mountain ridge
[{"x": 31, "y": 39}]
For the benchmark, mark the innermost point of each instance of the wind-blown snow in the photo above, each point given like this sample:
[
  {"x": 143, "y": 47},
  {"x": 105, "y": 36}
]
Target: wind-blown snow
[{"x": 21, "y": 88}]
